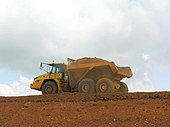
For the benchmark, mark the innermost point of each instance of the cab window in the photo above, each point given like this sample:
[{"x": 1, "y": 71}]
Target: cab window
[
  {"x": 57, "y": 69},
  {"x": 53, "y": 70}
]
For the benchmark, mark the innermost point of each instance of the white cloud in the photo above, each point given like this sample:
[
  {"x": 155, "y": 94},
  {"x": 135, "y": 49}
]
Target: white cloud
[
  {"x": 6, "y": 90},
  {"x": 142, "y": 87},
  {"x": 18, "y": 88},
  {"x": 146, "y": 57}
]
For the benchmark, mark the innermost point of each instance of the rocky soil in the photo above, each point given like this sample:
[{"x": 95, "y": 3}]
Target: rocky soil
[{"x": 87, "y": 110}]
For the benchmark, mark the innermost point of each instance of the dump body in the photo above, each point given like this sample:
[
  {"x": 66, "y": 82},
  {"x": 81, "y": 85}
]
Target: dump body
[{"x": 95, "y": 68}]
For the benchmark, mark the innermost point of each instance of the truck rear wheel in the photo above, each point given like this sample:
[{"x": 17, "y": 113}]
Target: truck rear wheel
[
  {"x": 49, "y": 88},
  {"x": 86, "y": 86},
  {"x": 123, "y": 88},
  {"x": 105, "y": 85}
]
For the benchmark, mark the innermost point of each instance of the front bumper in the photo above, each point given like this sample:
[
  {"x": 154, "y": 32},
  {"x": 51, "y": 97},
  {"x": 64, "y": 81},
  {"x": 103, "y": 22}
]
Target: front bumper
[{"x": 35, "y": 86}]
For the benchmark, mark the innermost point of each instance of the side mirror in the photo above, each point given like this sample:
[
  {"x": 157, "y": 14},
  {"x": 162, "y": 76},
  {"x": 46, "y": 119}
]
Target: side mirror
[{"x": 41, "y": 66}]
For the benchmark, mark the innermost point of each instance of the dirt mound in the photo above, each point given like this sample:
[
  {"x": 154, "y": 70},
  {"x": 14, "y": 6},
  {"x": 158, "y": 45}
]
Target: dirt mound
[
  {"x": 90, "y": 60},
  {"x": 74, "y": 109}
]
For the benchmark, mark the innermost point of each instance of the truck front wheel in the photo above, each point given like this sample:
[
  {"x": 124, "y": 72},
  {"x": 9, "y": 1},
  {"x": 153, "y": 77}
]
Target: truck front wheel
[
  {"x": 86, "y": 86},
  {"x": 49, "y": 88}
]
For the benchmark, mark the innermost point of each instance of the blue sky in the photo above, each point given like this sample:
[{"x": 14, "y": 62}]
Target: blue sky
[{"x": 128, "y": 32}]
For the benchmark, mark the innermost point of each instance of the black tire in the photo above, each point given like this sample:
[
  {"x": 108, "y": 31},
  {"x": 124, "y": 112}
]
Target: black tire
[
  {"x": 105, "y": 85},
  {"x": 49, "y": 87},
  {"x": 86, "y": 86},
  {"x": 123, "y": 88}
]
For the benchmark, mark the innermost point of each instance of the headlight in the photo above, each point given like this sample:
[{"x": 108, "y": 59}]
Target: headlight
[{"x": 37, "y": 81}]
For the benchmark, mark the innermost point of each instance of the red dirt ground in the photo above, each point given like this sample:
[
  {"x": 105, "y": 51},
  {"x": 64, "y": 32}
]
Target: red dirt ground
[{"x": 87, "y": 110}]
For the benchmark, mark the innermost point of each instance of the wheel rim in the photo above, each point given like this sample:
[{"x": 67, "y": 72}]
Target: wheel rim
[
  {"x": 48, "y": 89},
  {"x": 85, "y": 87},
  {"x": 103, "y": 87}
]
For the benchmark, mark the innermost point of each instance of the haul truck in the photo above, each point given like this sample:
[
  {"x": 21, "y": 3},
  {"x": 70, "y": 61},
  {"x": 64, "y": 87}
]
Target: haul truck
[{"x": 85, "y": 75}]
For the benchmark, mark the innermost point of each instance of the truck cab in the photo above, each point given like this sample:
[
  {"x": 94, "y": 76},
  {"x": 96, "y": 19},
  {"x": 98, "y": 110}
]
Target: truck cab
[{"x": 53, "y": 80}]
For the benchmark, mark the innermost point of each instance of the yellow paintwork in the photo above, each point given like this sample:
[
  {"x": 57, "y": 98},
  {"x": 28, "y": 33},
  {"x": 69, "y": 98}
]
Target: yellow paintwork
[{"x": 38, "y": 82}]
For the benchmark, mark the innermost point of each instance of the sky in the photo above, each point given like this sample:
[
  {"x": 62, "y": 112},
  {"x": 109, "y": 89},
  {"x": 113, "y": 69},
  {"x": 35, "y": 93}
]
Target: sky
[{"x": 131, "y": 33}]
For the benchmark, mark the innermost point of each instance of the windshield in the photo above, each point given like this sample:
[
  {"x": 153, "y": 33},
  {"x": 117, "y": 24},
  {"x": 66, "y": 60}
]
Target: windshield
[
  {"x": 46, "y": 67},
  {"x": 52, "y": 68}
]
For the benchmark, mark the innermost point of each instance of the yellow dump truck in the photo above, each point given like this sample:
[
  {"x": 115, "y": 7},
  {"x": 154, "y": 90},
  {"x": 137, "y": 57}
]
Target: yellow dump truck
[{"x": 85, "y": 75}]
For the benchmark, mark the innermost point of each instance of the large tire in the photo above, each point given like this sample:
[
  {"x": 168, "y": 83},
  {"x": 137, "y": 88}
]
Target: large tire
[
  {"x": 86, "y": 86},
  {"x": 105, "y": 85},
  {"x": 123, "y": 88},
  {"x": 49, "y": 88}
]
